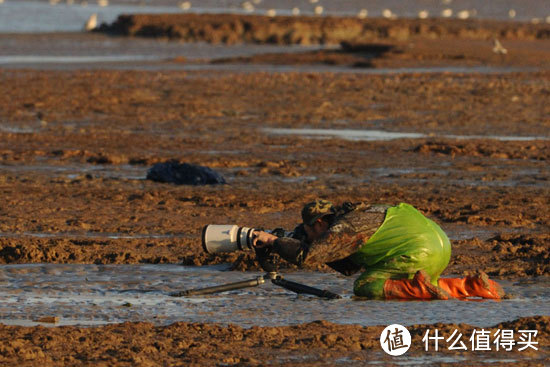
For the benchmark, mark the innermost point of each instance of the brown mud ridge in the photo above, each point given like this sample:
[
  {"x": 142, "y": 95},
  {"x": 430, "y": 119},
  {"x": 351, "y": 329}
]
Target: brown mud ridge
[
  {"x": 502, "y": 256},
  {"x": 304, "y": 30},
  {"x": 319, "y": 343},
  {"x": 97, "y": 124}
]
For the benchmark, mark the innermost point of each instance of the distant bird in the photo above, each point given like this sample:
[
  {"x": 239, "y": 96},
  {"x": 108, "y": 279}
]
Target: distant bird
[
  {"x": 103, "y": 2},
  {"x": 271, "y": 12},
  {"x": 512, "y": 13},
  {"x": 447, "y": 13},
  {"x": 387, "y": 13},
  {"x": 295, "y": 11},
  {"x": 423, "y": 14},
  {"x": 318, "y": 10},
  {"x": 186, "y": 5},
  {"x": 91, "y": 23},
  {"x": 247, "y": 6},
  {"x": 463, "y": 14},
  {"x": 363, "y": 13},
  {"x": 498, "y": 48}
]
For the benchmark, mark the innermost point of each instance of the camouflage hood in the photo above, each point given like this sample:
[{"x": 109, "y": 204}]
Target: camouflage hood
[{"x": 347, "y": 234}]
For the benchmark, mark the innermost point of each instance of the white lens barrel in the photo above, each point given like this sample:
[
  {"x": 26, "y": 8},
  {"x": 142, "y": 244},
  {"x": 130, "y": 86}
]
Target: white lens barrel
[{"x": 226, "y": 238}]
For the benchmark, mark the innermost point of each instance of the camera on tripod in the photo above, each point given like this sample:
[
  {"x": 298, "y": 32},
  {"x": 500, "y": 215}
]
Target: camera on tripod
[{"x": 230, "y": 238}]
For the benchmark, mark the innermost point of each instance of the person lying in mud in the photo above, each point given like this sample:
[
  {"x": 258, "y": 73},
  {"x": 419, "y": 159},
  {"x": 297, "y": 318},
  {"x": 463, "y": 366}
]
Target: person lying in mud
[{"x": 401, "y": 251}]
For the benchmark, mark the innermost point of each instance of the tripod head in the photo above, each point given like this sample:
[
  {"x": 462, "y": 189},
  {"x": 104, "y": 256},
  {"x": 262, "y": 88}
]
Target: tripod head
[{"x": 268, "y": 260}]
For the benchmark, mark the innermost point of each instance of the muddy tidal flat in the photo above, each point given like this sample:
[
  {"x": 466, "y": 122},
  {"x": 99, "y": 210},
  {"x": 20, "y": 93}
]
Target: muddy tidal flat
[
  {"x": 438, "y": 120},
  {"x": 76, "y": 147}
]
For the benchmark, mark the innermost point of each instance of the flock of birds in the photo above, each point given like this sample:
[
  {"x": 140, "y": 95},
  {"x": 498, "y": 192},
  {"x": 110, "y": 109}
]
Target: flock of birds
[{"x": 249, "y": 7}]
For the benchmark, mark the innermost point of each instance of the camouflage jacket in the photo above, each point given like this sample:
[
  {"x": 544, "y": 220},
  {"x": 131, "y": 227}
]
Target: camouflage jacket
[{"x": 352, "y": 227}]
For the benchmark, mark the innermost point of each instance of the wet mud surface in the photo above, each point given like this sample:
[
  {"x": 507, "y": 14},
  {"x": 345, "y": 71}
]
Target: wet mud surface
[{"x": 103, "y": 294}]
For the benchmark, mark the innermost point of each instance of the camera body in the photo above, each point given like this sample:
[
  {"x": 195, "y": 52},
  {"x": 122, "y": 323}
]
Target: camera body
[{"x": 218, "y": 238}]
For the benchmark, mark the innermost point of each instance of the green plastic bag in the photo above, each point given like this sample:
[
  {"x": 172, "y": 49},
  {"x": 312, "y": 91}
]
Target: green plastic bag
[{"x": 406, "y": 242}]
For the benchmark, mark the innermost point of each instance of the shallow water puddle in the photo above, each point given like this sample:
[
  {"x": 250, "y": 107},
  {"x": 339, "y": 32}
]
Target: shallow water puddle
[
  {"x": 71, "y": 59},
  {"x": 95, "y": 235},
  {"x": 36, "y": 16},
  {"x": 272, "y": 68},
  {"x": 73, "y": 171},
  {"x": 380, "y": 135},
  {"x": 97, "y": 294}
]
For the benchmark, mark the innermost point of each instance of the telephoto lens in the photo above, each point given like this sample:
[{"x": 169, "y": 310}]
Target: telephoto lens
[{"x": 226, "y": 238}]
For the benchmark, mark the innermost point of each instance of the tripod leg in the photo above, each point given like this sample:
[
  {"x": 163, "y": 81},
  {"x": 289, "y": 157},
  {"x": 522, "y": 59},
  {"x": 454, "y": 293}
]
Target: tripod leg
[
  {"x": 220, "y": 288},
  {"x": 301, "y": 288}
]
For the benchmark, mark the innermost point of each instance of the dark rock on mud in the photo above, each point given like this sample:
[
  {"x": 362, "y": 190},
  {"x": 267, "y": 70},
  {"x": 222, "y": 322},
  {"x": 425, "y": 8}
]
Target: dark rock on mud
[{"x": 184, "y": 174}]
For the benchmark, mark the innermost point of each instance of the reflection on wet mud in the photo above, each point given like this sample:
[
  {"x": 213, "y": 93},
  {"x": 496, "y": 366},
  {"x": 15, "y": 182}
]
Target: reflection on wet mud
[
  {"x": 72, "y": 59},
  {"x": 75, "y": 171},
  {"x": 94, "y": 235},
  {"x": 378, "y": 135},
  {"x": 92, "y": 294}
]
